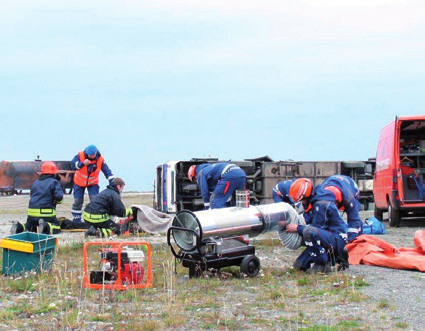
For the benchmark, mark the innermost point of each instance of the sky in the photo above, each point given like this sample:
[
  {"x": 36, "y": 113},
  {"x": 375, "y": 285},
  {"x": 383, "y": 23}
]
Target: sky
[{"x": 154, "y": 81}]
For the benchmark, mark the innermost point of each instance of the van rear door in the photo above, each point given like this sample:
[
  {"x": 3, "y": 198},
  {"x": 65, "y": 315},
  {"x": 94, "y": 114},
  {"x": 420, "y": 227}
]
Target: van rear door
[{"x": 411, "y": 160}]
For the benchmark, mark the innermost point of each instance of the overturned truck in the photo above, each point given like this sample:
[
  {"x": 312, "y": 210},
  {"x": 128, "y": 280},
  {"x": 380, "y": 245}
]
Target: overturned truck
[{"x": 174, "y": 191}]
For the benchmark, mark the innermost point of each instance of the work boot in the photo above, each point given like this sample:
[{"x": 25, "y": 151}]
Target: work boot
[
  {"x": 43, "y": 227},
  {"x": 344, "y": 264},
  {"x": 17, "y": 228},
  {"x": 321, "y": 269},
  {"x": 92, "y": 231}
]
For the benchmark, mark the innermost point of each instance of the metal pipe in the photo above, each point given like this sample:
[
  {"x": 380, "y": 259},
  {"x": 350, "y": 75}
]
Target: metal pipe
[{"x": 230, "y": 222}]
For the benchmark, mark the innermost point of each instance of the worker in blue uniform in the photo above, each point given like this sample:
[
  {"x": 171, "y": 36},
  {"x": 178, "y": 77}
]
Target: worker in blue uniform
[
  {"x": 45, "y": 193},
  {"x": 343, "y": 191},
  {"x": 99, "y": 212},
  {"x": 217, "y": 182},
  {"x": 87, "y": 165},
  {"x": 280, "y": 191},
  {"x": 325, "y": 234}
]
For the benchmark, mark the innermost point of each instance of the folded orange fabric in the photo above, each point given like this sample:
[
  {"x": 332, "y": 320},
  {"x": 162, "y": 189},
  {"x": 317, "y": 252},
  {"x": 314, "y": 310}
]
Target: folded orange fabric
[{"x": 370, "y": 250}]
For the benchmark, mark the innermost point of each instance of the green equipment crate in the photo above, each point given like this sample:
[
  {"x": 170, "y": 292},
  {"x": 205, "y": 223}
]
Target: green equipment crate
[{"x": 27, "y": 251}]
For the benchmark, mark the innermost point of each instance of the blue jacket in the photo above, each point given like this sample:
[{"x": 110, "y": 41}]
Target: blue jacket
[
  {"x": 107, "y": 202},
  {"x": 208, "y": 175},
  {"x": 76, "y": 164},
  {"x": 46, "y": 192},
  {"x": 325, "y": 215},
  {"x": 281, "y": 191},
  {"x": 350, "y": 194}
]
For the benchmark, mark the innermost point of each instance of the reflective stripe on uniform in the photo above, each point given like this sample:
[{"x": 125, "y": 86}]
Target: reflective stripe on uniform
[
  {"x": 54, "y": 229},
  {"x": 41, "y": 212},
  {"x": 354, "y": 230},
  {"x": 95, "y": 218},
  {"x": 60, "y": 202}
]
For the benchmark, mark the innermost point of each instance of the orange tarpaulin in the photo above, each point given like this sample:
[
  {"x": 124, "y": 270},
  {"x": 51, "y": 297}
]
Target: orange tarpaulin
[{"x": 370, "y": 250}]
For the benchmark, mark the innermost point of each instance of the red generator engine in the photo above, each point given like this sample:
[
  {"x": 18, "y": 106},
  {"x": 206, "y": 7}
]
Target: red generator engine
[{"x": 120, "y": 267}]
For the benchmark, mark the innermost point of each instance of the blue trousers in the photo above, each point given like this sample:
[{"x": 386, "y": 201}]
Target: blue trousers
[
  {"x": 322, "y": 247},
  {"x": 77, "y": 207},
  {"x": 224, "y": 190}
]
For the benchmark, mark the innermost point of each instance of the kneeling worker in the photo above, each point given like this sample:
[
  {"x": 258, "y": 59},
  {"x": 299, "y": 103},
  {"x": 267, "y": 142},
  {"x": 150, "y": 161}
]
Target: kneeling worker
[
  {"x": 104, "y": 205},
  {"x": 45, "y": 193}
]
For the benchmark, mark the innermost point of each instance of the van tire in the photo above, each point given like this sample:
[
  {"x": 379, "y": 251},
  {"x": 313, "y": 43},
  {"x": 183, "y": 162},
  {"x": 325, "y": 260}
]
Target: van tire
[
  {"x": 393, "y": 217},
  {"x": 365, "y": 204},
  {"x": 378, "y": 213}
]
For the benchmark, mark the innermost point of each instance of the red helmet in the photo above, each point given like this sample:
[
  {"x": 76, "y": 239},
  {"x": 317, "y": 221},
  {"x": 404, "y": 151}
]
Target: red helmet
[
  {"x": 300, "y": 189},
  {"x": 337, "y": 192},
  {"x": 191, "y": 172},
  {"x": 49, "y": 167}
]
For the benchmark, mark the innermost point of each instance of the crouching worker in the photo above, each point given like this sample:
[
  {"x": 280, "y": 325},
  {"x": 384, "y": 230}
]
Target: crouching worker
[
  {"x": 102, "y": 207},
  {"x": 45, "y": 193},
  {"x": 326, "y": 234}
]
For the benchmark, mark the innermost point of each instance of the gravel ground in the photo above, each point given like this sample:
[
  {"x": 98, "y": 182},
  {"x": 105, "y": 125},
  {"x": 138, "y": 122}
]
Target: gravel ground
[{"x": 402, "y": 289}]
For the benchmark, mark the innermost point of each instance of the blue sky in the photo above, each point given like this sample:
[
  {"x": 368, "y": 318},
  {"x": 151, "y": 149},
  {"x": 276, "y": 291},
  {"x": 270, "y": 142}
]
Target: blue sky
[{"x": 153, "y": 81}]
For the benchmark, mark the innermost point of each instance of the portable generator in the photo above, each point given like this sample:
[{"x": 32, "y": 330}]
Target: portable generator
[
  {"x": 120, "y": 267},
  {"x": 218, "y": 238},
  {"x": 132, "y": 270}
]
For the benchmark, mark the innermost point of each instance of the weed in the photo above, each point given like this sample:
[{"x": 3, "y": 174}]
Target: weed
[
  {"x": 402, "y": 325},
  {"x": 303, "y": 281},
  {"x": 383, "y": 304}
]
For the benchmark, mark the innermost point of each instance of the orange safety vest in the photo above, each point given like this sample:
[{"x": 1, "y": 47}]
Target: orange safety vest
[{"x": 82, "y": 178}]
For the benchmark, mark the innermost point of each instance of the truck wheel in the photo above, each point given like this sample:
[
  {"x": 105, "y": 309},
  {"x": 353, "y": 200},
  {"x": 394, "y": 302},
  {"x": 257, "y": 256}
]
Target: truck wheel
[
  {"x": 393, "y": 217},
  {"x": 365, "y": 204},
  {"x": 378, "y": 213},
  {"x": 250, "y": 265},
  {"x": 353, "y": 165}
]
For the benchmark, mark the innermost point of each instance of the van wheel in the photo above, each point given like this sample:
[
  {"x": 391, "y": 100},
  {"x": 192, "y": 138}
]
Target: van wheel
[
  {"x": 365, "y": 204},
  {"x": 393, "y": 217},
  {"x": 378, "y": 213}
]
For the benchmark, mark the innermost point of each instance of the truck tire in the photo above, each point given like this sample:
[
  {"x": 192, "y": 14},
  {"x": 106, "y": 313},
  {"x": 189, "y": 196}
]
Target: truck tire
[
  {"x": 353, "y": 165},
  {"x": 250, "y": 265},
  {"x": 378, "y": 213},
  {"x": 393, "y": 217},
  {"x": 365, "y": 204}
]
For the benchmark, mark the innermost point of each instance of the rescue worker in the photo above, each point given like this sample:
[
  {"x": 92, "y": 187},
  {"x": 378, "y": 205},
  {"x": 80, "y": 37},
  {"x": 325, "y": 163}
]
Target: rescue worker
[
  {"x": 87, "y": 165},
  {"x": 102, "y": 207},
  {"x": 217, "y": 182},
  {"x": 280, "y": 191},
  {"x": 325, "y": 234},
  {"x": 344, "y": 192},
  {"x": 45, "y": 193}
]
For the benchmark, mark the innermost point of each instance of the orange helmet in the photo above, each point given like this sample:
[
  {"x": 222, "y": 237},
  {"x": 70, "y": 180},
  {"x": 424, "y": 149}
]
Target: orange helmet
[
  {"x": 191, "y": 172},
  {"x": 337, "y": 192},
  {"x": 300, "y": 189},
  {"x": 49, "y": 167}
]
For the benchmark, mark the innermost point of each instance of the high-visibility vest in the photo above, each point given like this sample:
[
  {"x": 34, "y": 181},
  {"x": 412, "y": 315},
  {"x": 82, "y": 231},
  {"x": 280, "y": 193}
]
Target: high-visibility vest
[{"x": 82, "y": 177}]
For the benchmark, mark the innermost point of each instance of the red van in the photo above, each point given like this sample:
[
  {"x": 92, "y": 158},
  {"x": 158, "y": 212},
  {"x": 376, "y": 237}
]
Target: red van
[{"x": 398, "y": 184}]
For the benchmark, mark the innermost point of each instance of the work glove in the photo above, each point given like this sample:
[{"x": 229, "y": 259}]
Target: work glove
[{"x": 129, "y": 212}]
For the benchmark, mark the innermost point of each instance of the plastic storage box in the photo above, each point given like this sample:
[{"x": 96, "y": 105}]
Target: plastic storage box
[{"x": 27, "y": 251}]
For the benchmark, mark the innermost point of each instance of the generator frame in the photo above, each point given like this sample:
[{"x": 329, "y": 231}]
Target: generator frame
[{"x": 118, "y": 284}]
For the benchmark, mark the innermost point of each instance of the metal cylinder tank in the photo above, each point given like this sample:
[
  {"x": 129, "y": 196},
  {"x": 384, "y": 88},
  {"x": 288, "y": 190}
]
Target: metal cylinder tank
[
  {"x": 20, "y": 175},
  {"x": 230, "y": 222}
]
